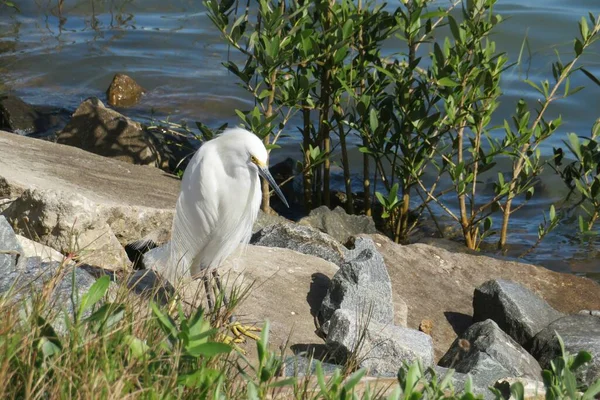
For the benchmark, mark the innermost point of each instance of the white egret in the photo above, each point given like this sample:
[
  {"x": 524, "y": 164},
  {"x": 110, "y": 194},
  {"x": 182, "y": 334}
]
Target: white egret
[{"x": 217, "y": 206}]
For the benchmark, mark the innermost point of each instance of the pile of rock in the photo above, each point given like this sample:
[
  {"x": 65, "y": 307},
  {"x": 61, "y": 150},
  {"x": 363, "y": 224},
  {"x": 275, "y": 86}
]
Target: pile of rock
[{"x": 362, "y": 304}]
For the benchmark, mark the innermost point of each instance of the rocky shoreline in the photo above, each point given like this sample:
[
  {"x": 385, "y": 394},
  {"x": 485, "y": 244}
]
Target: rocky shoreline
[{"x": 330, "y": 275}]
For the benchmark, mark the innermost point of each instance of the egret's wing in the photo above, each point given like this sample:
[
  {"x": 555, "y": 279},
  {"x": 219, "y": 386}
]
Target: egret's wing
[{"x": 195, "y": 215}]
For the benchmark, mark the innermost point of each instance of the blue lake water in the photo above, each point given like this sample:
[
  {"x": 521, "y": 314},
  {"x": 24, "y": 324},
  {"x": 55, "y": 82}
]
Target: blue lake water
[{"x": 172, "y": 50}]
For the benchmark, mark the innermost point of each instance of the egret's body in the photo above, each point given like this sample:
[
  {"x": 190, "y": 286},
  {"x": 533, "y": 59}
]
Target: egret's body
[{"x": 218, "y": 203}]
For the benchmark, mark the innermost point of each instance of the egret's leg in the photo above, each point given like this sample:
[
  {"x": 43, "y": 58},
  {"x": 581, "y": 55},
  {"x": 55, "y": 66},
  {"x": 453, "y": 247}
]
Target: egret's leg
[
  {"x": 239, "y": 331},
  {"x": 207, "y": 285},
  {"x": 220, "y": 290}
]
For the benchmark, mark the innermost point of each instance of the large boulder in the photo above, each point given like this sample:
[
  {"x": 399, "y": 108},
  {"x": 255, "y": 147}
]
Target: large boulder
[
  {"x": 303, "y": 239},
  {"x": 70, "y": 223},
  {"x": 337, "y": 224},
  {"x": 516, "y": 309},
  {"x": 381, "y": 349},
  {"x": 124, "y": 91},
  {"x": 485, "y": 349},
  {"x": 103, "y": 131},
  {"x": 59, "y": 192},
  {"x": 579, "y": 333},
  {"x": 438, "y": 285},
  {"x": 362, "y": 286}
]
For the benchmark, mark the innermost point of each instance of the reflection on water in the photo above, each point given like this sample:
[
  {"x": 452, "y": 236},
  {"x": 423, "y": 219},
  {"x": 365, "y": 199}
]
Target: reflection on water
[{"x": 59, "y": 52}]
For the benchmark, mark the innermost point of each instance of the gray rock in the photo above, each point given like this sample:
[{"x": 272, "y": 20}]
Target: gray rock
[
  {"x": 381, "y": 349},
  {"x": 146, "y": 282},
  {"x": 595, "y": 313},
  {"x": 299, "y": 366},
  {"x": 578, "y": 332},
  {"x": 302, "y": 239},
  {"x": 362, "y": 286},
  {"x": 264, "y": 220},
  {"x": 10, "y": 249},
  {"x": 103, "y": 131},
  {"x": 517, "y": 310},
  {"x": 337, "y": 224},
  {"x": 31, "y": 276},
  {"x": 485, "y": 350}
]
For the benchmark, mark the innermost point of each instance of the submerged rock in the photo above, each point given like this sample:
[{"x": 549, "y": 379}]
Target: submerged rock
[{"x": 124, "y": 91}]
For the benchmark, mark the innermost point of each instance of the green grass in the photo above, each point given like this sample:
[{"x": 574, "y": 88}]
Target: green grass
[{"x": 121, "y": 345}]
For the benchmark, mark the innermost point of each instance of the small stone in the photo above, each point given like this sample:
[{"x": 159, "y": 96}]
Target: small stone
[
  {"x": 124, "y": 91},
  {"x": 426, "y": 326}
]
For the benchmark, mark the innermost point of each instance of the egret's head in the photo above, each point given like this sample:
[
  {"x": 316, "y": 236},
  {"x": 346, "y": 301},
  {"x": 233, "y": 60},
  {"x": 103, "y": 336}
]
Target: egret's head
[
  {"x": 255, "y": 155},
  {"x": 258, "y": 160}
]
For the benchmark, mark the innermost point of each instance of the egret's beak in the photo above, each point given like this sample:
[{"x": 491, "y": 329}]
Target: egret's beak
[{"x": 264, "y": 172}]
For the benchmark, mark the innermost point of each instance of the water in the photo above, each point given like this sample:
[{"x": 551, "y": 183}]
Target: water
[{"x": 171, "y": 48}]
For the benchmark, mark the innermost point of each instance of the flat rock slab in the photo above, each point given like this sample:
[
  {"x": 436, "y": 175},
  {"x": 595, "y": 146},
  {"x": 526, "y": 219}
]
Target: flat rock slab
[
  {"x": 33, "y": 163},
  {"x": 287, "y": 289},
  {"x": 438, "y": 285}
]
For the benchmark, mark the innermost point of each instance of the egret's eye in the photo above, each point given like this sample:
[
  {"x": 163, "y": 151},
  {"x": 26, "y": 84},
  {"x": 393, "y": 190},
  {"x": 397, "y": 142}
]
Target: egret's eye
[{"x": 254, "y": 160}]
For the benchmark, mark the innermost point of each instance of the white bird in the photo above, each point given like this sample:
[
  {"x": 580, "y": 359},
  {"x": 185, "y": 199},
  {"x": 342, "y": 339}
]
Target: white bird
[{"x": 218, "y": 204}]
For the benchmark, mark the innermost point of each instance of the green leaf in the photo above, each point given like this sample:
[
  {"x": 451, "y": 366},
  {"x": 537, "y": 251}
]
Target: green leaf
[
  {"x": 446, "y": 81},
  {"x": 590, "y": 76},
  {"x": 94, "y": 294},
  {"x": 517, "y": 390},
  {"x": 354, "y": 379},
  {"x": 582, "y": 358},
  {"x": 164, "y": 321},
  {"x": 592, "y": 391},
  {"x": 209, "y": 349},
  {"x": 284, "y": 382},
  {"x": 137, "y": 346}
]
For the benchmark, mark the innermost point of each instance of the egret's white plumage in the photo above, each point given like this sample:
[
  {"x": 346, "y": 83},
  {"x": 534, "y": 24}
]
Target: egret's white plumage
[{"x": 218, "y": 203}]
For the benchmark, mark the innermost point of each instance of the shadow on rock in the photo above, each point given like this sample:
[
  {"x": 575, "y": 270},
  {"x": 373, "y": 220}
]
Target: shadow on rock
[
  {"x": 458, "y": 321},
  {"x": 318, "y": 289}
]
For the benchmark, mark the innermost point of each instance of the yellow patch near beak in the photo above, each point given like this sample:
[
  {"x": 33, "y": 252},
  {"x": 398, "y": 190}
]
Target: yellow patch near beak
[{"x": 258, "y": 163}]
